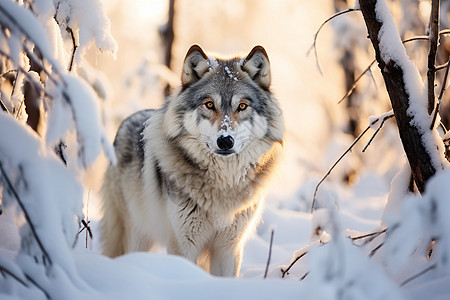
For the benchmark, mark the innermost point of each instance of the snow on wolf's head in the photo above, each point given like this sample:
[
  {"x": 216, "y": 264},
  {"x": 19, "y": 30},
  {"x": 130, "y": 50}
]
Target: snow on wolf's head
[{"x": 225, "y": 104}]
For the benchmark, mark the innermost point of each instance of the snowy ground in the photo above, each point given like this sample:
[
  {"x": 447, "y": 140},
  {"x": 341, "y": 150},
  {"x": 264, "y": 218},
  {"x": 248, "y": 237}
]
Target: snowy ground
[{"x": 314, "y": 140}]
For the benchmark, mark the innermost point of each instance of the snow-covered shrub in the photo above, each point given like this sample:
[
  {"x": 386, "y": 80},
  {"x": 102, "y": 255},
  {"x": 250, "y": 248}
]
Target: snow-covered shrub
[{"x": 41, "y": 193}]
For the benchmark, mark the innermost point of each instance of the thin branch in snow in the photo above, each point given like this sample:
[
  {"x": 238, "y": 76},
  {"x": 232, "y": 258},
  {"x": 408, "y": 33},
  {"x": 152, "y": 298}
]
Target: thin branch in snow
[
  {"x": 434, "y": 41},
  {"x": 441, "y": 94},
  {"x": 378, "y": 129},
  {"x": 430, "y": 249},
  {"x": 313, "y": 46},
  {"x": 27, "y": 216},
  {"x": 60, "y": 151},
  {"x": 7, "y": 73},
  {"x": 371, "y": 235},
  {"x": 285, "y": 271},
  {"x": 270, "y": 254},
  {"x": 4, "y": 270},
  {"x": 335, "y": 164},
  {"x": 74, "y": 49},
  {"x": 304, "y": 276},
  {"x": 37, "y": 285},
  {"x": 408, "y": 280},
  {"x": 374, "y": 251},
  {"x": 4, "y": 108}
]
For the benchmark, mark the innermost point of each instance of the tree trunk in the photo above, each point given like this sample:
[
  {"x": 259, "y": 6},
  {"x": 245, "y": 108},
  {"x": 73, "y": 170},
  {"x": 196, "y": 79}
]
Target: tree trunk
[
  {"x": 418, "y": 156},
  {"x": 168, "y": 37}
]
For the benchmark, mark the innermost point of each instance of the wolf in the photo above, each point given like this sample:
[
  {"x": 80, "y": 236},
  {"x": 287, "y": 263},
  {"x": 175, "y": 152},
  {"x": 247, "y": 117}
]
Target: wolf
[{"x": 190, "y": 174}]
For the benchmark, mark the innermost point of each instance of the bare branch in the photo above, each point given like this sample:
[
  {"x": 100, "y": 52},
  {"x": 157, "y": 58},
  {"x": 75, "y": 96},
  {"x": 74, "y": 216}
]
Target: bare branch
[
  {"x": 270, "y": 254},
  {"x": 415, "y": 38},
  {"x": 378, "y": 129},
  {"x": 372, "y": 234},
  {"x": 349, "y": 92},
  {"x": 434, "y": 40},
  {"x": 285, "y": 271},
  {"x": 74, "y": 49},
  {"x": 25, "y": 212},
  {"x": 408, "y": 280},
  {"x": 334, "y": 165},
  {"x": 313, "y": 46},
  {"x": 5, "y": 270},
  {"x": 4, "y": 108},
  {"x": 7, "y": 73},
  {"x": 374, "y": 251},
  {"x": 441, "y": 94},
  {"x": 38, "y": 286}
]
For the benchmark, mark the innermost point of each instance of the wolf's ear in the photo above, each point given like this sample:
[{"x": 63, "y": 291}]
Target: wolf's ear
[
  {"x": 257, "y": 65},
  {"x": 195, "y": 66}
]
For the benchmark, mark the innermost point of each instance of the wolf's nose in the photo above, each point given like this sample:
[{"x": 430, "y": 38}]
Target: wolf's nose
[{"x": 225, "y": 142}]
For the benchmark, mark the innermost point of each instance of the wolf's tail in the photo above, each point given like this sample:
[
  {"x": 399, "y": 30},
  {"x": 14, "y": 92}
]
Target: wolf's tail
[{"x": 112, "y": 223}]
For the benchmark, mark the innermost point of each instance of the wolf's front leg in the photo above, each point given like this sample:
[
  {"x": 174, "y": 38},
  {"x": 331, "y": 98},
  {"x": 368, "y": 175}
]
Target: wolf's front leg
[
  {"x": 226, "y": 260},
  {"x": 191, "y": 234}
]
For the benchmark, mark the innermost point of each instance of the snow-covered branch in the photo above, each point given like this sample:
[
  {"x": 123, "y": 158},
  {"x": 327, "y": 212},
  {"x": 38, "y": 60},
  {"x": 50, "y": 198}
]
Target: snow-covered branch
[{"x": 422, "y": 146}]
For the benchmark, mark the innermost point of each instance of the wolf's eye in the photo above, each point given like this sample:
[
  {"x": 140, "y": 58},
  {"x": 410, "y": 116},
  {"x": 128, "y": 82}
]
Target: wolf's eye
[
  {"x": 209, "y": 105},
  {"x": 242, "y": 106}
]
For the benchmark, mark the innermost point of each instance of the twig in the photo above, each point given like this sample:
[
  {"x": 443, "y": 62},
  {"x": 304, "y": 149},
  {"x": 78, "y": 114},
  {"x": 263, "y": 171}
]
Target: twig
[
  {"x": 434, "y": 40},
  {"x": 4, "y": 270},
  {"x": 4, "y": 108},
  {"x": 334, "y": 165},
  {"x": 304, "y": 276},
  {"x": 37, "y": 285},
  {"x": 444, "y": 83},
  {"x": 270, "y": 254},
  {"x": 372, "y": 253},
  {"x": 414, "y": 38},
  {"x": 378, "y": 129},
  {"x": 7, "y": 72},
  {"x": 441, "y": 67},
  {"x": 88, "y": 229},
  {"x": 408, "y": 280},
  {"x": 350, "y": 91},
  {"x": 27, "y": 216},
  {"x": 285, "y": 271},
  {"x": 376, "y": 233},
  {"x": 75, "y": 46},
  {"x": 313, "y": 46}
]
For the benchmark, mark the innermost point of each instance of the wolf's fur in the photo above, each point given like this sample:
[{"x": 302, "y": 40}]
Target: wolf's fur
[{"x": 189, "y": 175}]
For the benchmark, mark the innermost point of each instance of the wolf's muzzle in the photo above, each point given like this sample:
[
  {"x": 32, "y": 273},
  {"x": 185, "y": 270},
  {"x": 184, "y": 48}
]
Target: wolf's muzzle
[{"x": 225, "y": 142}]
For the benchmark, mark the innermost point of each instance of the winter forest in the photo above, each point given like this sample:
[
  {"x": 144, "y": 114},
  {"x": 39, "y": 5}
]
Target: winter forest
[{"x": 358, "y": 208}]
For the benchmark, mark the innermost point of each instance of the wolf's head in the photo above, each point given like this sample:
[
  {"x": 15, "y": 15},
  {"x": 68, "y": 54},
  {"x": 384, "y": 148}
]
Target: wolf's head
[{"x": 225, "y": 104}]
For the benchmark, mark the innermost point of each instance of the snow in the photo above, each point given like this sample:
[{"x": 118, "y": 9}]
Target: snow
[
  {"x": 10, "y": 12},
  {"x": 360, "y": 196},
  {"x": 226, "y": 127},
  {"x": 392, "y": 50},
  {"x": 88, "y": 25}
]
